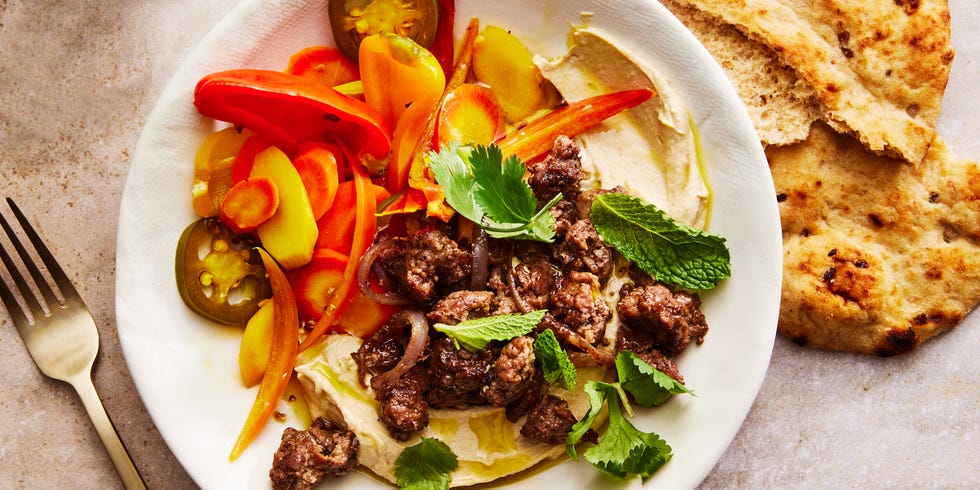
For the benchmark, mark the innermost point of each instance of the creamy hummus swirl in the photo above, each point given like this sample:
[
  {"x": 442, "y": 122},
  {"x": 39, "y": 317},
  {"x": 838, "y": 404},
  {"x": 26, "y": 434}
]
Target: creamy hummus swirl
[
  {"x": 487, "y": 445},
  {"x": 650, "y": 149}
]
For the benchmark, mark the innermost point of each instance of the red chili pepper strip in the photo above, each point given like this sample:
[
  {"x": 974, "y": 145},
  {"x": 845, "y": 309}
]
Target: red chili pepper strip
[
  {"x": 289, "y": 110},
  {"x": 336, "y": 226},
  {"x": 282, "y": 357},
  {"x": 442, "y": 43},
  {"x": 241, "y": 166},
  {"x": 364, "y": 227},
  {"x": 538, "y": 136}
]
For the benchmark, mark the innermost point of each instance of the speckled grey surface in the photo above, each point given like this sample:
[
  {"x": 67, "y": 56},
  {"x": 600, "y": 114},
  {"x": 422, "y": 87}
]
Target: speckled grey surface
[{"x": 77, "y": 80}]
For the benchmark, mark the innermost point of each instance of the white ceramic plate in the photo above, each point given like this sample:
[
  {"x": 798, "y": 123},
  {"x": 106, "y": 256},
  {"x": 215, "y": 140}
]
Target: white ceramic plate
[{"x": 186, "y": 368}]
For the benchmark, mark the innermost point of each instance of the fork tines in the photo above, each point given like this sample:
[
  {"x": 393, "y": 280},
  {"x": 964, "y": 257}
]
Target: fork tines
[{"x": 40, "y": 282}]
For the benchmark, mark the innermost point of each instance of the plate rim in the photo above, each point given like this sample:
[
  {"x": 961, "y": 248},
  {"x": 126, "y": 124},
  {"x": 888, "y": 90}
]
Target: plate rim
[{"x": 175, "y": 91}]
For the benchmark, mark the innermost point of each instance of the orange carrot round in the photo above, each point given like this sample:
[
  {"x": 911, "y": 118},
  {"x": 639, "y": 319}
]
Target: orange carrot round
[
  {"x": 249, "y": 203},
  {"x": 323, "y": 64},
  {"x": 469, "y": 114},
  {"x": 317, "y": 167}
]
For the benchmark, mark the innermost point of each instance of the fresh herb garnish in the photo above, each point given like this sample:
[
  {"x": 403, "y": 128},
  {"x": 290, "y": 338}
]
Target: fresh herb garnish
[
  {"x": 426, "y": 465},
  {"x": 555, "y": 364},
  {"x": 490, "y": 191},
  {"x": 669, "y": 251},
  {"x": 475, "y": 334},
  {"x": 624, "y": 450},
  {"x": 649, "y": 386}
]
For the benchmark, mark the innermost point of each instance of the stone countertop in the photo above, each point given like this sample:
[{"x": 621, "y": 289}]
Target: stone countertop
[{"x": 79, "y": 78}]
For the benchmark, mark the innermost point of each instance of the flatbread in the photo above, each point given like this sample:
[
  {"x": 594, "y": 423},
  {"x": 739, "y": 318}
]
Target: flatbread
[
  {"x": 781, "y": 105},
  {"x": 878, "y": 256},
  {"x": 878, "y": 68}
]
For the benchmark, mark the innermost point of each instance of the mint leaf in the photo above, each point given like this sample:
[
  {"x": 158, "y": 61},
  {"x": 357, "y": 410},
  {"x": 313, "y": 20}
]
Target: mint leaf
[
  {"x": 624, "y": 450},
  {"x": 648, "y": 385},
  {"x": 669, "y": 251},
  {"x": 426, "y": 465},
  {"x": 477, "y": 333},
  {"x": 491, "y": 192},
  {"x": 557, "y": 367}
]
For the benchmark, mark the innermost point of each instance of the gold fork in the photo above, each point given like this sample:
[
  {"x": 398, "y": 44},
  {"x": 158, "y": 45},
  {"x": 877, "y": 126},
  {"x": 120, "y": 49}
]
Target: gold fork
[{"x": 61, "y": 337}]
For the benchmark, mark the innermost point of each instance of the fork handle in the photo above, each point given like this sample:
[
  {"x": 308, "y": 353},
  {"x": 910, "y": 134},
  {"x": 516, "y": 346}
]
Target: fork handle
[{"x": 121, "y": 459}]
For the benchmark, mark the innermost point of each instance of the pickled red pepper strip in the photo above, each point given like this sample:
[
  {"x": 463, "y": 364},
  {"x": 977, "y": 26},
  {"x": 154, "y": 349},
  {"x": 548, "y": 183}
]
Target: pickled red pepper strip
[
  {"x": 442, "y": 44},
  {"x": 364, "y": 227},
  {"x": 538, "y": 136},
  {"x": 288, "y": 110},
  {"x": 282, "y": 356}
]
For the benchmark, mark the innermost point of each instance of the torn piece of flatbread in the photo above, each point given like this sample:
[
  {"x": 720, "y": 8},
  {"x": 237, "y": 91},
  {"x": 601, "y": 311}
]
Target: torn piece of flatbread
[
  {"x": 879, "y": 256},
  {"x": 782, "y": 107},
  {"x": 879, "y": 67}
]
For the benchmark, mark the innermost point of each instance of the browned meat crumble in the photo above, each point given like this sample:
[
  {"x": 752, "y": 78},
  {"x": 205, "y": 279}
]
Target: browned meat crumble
[{"x": 432, "y": 269}]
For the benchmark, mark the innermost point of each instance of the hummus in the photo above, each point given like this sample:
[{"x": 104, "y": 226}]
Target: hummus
[
  {"x": 651, "y": 149},
  {"x": 487, "y": 445}
]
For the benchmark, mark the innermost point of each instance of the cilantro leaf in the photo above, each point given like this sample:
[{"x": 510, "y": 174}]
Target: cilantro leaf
[
  {"x": 667, "y": 250},
  {"x": 491, "y": 192},
  {"x": 557, "y": 367},
  {"x": 475, "y": 334},
  {"x": 426, "y": 465},
  {"x": 451, "y": 171},
  {"x": 543, "y": 223},
  {"x": 624, "y": 450},
  {"x": 648, "y": 385},
  {"x": 597, "y": 391},
  {"x": 502, "y": 191}
]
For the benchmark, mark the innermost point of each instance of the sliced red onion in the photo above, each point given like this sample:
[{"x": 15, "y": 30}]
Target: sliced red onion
[
  {"x": 364, "y": 273},
  {"x": 512, "y": 286},
  {"x": 413, "y": 350},
  {"x": 480, "y": 271}
]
